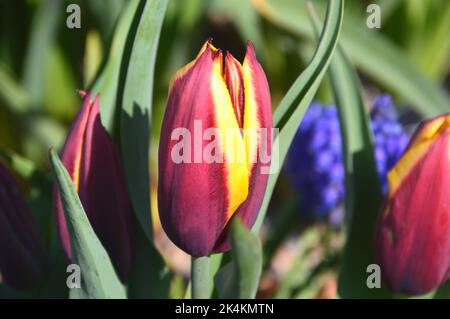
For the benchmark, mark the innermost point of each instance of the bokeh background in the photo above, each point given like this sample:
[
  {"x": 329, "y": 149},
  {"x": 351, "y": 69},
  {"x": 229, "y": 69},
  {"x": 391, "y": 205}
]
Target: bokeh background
[{"x": 43, "y": 64}]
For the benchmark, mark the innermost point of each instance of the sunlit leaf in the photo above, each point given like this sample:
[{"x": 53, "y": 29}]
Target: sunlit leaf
[
  {"x": 363, "y": 191},
  {"x": 240, "y": 277},
  {"x": 289, "y": 113},
  {"x": 136, "y": 108},
  {"x": 98, "y": 278},
  {"x": 371, "y": 52}
]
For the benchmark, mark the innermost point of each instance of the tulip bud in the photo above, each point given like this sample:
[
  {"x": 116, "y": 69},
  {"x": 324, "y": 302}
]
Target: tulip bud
[
  {"x": 93, "y": 162},
  {"x": 217, "y": 124},
  {"x": 22, "y": 257},
  {"x": 413, "y": 230}
]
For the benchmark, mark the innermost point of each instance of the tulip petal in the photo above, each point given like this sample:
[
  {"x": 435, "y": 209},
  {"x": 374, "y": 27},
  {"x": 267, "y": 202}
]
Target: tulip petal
[
  {"x": 413, "y": 232},
  {"x": 93, "y": 163},
  {"x": 420, "y": 142},
  {"x": 103, "y": 172},
  {"x": 71, "y": 155},
  {"x": 235, "y": 83},
  {"x": 181, "y": 72},
  {"x": 230, "y": 140},
  {"x": 197, "y": 198},
  {"x": 257, "y": 118}
]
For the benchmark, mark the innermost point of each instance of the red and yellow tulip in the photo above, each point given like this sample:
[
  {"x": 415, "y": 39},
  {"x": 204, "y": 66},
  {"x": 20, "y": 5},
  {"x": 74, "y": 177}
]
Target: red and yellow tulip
[
  {"x": 94, "y": 164},
  {"x": 413, "y": 231},
  {"x": 198, "y": 196}
]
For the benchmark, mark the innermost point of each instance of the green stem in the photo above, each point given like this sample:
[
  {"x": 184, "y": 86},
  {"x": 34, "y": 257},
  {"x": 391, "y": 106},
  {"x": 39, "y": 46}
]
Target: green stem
[{"x": 200, "y": 277}]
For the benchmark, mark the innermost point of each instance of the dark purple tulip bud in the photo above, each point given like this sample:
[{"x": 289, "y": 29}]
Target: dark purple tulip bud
[
  {"x": 22, "y": 256},
  {"x": 93, "y": 162}
]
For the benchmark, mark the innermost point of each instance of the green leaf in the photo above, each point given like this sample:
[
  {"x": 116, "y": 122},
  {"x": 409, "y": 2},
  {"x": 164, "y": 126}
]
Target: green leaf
[
  {"x": 240, "y": 277},
  {"x": 363, "y": 189},
  {"x": 432, "y": 50},
  {"x": 289, "y": 113},
  {"x": 375, "y": 55},
  {"x": 98, "y": 278},
  {"x": 107, "y": 81},
  {"x": 137, "y": 106}
]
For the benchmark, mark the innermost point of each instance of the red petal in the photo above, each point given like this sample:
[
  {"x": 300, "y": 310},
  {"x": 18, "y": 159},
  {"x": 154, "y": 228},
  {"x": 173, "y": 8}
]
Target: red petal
[
  {"x": 413, "y": 234},
  {"x": 96, "y": 166},
  {"x": 257, "y": 115},
  {"x": 195, "y": 199}
]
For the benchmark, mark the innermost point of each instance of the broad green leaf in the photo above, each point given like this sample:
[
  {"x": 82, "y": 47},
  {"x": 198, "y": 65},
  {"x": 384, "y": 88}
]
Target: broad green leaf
[
  {"x": 137, "y": 106},
  {"x": 362, "y": 185},
  {"x": 98, "y": 278},
  {"x": 371, "y": 52},
  {"x": 107, "y": 81},
  {"x": 240, "y": 277},
  {"x": 43, "y": 31},
  {"x": 289, "y": 113},
  {"x": 150, "y": 276},
  {"x": 432, "y": 50}
]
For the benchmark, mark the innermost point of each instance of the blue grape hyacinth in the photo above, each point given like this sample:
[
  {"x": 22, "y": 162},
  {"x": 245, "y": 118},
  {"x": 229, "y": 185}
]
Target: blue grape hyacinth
[{"x": 315, "y": 163}]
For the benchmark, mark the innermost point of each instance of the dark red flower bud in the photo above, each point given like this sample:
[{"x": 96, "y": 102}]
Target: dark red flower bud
[{"x": 94, "y": 164}]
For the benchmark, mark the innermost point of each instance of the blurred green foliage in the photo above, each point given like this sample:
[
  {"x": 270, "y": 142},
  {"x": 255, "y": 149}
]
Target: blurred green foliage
[{"x": 43, "y": 64}]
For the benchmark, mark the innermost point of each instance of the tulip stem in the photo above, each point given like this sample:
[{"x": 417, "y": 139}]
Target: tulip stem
[{"x": 200, "y": 277}]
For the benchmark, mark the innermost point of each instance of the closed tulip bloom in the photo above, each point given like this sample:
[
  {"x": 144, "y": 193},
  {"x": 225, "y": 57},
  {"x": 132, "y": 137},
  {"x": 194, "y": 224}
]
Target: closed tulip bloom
[
  {"x": 22, "y": 256},
  {"x": 413, "y": 231},
  {"x": 197, "y": 194},
  {"x": 93, "y": 162}
]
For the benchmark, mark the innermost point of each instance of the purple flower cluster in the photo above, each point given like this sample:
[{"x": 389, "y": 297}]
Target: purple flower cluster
[
  {"x": 390, "y": 136},
  {"x": 315, "y": 163}
]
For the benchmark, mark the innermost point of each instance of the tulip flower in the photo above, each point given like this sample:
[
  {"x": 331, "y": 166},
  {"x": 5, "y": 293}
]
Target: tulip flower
[
  {"x": 22, "y": 257},
  {"x": 413, "y": 230},
  {"x": 197, "y": 194},
  {"x": 93, "y": 162}
]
